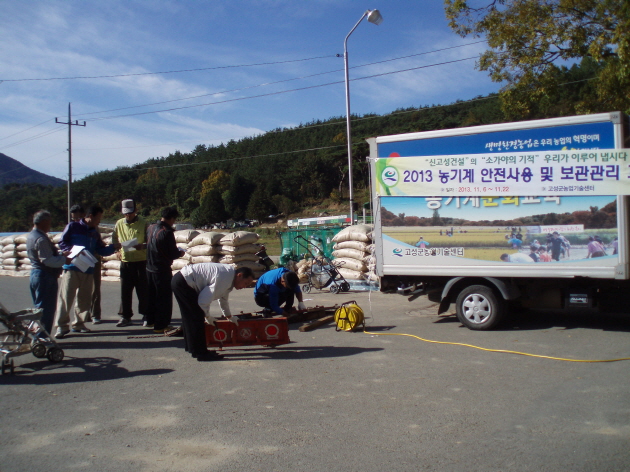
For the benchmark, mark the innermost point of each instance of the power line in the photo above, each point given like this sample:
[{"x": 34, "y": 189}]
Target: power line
[
  {"x": 32, "y": 138},
  {"x": 129, "y": 169},
  {"x": 284, "y": 80},
  {"x": 27, "y": 129},
  {"x": 279, "y": 92},
  {"x": 168, "y": 71},
  {"x": 226, "y": 91}
]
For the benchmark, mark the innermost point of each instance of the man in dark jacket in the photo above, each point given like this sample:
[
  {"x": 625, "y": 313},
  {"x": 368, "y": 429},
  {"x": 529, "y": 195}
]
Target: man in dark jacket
[
  {"x": 46, "y": 262},
  {"x": 161, "y": 252}
]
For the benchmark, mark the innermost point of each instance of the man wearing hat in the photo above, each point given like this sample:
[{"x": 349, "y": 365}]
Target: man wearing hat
[{"x": 133, "y": 268}]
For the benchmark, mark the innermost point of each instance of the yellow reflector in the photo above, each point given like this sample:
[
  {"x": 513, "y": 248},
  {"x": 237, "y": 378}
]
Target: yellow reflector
[{"x": 348, "y": 317}]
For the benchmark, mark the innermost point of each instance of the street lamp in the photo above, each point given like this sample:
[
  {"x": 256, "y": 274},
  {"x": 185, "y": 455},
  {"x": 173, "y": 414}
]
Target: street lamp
[{"x": 373, "y": 16}]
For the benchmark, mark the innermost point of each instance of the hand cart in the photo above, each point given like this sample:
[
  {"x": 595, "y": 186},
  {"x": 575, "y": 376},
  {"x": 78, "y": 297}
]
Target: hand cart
[
  {"x": 322, "y": 274},
  {"x": 21, "y": 332}
]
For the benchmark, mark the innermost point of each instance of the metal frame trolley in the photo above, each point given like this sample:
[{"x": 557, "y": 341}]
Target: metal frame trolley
[
  {"x": 323, "y": 273},
  {"x": 22, "y": 332}
]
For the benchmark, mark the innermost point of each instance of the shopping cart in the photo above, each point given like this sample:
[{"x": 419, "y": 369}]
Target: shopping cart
[
  {"x": 322, "y": 273},
  {"x": 22, "y": 332}
]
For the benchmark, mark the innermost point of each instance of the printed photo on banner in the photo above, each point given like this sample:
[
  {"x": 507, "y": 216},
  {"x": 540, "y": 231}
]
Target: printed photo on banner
[{"x": 521, "y": 229}]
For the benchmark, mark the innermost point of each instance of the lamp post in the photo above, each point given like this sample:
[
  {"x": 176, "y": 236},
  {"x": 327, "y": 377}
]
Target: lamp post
[{"x": 373, "y": 16}]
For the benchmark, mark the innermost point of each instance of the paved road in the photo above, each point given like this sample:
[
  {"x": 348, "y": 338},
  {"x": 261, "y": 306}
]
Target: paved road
[{"x": 327, "y": 402}]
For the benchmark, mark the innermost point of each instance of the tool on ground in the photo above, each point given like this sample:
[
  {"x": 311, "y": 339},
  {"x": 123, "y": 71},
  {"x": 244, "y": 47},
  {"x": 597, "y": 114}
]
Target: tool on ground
[
  {"x": 349, "y": 316},
  {"x": 250, "y": 331}
]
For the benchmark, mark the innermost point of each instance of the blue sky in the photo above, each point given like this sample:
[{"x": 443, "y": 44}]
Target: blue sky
[{"x": 60, "y": 39}]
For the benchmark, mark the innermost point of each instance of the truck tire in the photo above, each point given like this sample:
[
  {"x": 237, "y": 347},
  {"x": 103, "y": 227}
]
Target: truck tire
[{"x": 478, "y": 308}]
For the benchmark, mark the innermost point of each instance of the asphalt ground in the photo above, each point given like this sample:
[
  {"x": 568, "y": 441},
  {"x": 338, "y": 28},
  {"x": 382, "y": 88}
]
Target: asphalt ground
[{"x": 329, "y": 401}]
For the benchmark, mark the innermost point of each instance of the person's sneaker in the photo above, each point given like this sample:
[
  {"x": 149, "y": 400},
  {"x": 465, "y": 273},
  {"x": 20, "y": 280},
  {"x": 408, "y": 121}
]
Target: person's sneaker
[
  {"x": 124, "y": 322},
  {"x": 61, "y": 333},
  {"x": 164, "y": 330},
  {"x": 209, "y": 356},
  {"x": 81, "y": 330},
  {"x": 96, "y": 321},
  {"x": 146, "y": 324}
]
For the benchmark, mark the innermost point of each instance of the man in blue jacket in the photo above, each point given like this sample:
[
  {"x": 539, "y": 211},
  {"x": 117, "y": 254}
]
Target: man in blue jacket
[
  {"x": 74, "y": 282},
  {"x": 276, "y": 287}
]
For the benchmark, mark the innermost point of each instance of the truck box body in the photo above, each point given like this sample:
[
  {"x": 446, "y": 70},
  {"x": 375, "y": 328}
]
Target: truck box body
[{"x": 487, "y": 202}]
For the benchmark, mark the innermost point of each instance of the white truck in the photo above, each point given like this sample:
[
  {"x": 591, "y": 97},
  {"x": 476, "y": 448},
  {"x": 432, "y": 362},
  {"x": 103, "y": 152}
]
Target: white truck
[{"x": 531, "y": 213}]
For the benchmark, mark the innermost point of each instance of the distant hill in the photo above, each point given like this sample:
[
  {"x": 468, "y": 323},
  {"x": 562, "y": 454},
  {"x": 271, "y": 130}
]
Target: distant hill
[{"x": 12, "y": 171}]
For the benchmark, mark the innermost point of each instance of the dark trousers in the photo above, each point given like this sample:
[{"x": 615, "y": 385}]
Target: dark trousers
[
  {"x": 160, "y": 300},
  {"x": 96, "y": 294},
  {"x": 193, "y": 317},
  {"x": 287, "y": 297},
  {"x": 44, "y": 287},
  {"x": 133, "y": 275}
]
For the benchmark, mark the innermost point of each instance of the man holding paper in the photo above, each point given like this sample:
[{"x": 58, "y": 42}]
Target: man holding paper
[
  {"x": 83, "y": 240},
  {"x": 131, "y": 232}
]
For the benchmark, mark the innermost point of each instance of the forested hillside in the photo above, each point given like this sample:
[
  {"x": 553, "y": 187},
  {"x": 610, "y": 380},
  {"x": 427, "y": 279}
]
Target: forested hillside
[{"x": 281, "y": 171}]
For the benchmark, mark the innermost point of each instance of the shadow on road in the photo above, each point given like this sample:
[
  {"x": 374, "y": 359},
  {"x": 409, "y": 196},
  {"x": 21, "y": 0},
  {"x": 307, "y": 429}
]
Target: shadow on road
[
  {"x": 290, "y": 353},
  {"x": 73, "y": 370},
  {"x": 532, "y": 320}
]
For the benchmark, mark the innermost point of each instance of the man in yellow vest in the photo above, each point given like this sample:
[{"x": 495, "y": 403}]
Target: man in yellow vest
[{"x": 131, "y": 232}]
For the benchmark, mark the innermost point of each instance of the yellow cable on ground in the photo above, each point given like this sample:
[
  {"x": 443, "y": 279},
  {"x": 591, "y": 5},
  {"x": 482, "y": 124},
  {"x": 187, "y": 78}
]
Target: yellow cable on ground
[{"x": 498, "y": 350}]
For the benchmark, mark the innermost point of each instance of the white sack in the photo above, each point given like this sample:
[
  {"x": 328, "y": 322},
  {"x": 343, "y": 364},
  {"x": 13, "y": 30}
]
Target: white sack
[
  {"x": 208, "y": 238},
  {"x": 347, "y": 263},
  {"x": 185, "y": 235},
  {"x": 238, "y": 238}
]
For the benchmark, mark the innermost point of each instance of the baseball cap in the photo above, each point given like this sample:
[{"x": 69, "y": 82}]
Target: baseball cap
[{"x": 128, "y": 206}]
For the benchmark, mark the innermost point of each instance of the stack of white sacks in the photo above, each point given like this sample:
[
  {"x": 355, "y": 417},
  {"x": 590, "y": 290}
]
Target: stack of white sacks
[
  {"x": 237, "y": 249},
  {"x": 14, "y": 256},
  {"x": 353, "y": 253},
  {"x": 110, "y": 265}
]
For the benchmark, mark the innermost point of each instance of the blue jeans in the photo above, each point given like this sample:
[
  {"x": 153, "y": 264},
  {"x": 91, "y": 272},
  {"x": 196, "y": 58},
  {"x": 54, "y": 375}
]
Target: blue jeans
[{"x": 44, "y": 287}]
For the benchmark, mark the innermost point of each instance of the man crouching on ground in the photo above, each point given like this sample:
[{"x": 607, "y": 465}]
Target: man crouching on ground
[
  {"x": 277, "y": 287},
  {"x": 195, "y": 286}
]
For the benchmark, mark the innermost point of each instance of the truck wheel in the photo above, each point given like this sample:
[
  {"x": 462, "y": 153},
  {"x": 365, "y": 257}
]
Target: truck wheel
[{"x": 479, "y": 308}]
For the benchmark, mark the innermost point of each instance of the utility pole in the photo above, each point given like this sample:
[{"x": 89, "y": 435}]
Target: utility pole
[{"x": 70, "y": 125}]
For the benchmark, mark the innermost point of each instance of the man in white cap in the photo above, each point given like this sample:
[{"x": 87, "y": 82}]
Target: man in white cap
[{"x": 133, "y": 267}]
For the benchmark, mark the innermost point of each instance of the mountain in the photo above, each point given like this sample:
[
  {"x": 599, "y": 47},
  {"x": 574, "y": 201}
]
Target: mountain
[{"x": 12, "y": 171}]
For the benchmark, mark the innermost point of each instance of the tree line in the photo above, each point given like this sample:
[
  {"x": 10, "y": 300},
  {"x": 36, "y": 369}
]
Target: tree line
[{"x": 284, "y": 170}]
